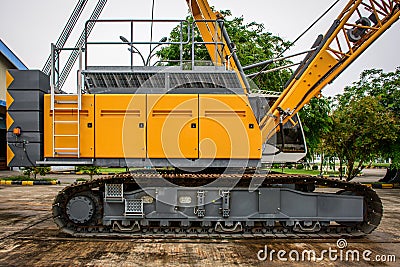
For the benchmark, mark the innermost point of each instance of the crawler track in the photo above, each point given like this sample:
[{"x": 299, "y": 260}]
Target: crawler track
[{"x": 372, "y": 214}]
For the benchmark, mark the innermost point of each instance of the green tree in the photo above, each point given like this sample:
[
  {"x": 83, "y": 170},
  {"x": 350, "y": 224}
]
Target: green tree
[
  {"x": 360, "y": 126},
  {"x": 384, "y": 86},
  {"x": 253, "y": 44},
  {"x": 316, "y": 120}
]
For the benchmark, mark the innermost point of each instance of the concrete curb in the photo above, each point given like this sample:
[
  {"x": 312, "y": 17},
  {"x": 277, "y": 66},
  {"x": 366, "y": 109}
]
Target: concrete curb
[
  {"x": 9, "y": 182},
  {"x": 374, "y": 186},
  {"x": 382, "y": 186}
]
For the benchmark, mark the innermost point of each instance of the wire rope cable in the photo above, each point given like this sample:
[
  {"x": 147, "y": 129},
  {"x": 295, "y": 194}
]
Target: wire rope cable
[
  {"x": 298, "y": 38},
  {"x": 151, "y": 26}
]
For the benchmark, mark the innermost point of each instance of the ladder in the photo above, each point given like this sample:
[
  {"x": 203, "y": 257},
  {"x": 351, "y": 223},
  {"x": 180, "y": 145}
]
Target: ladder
[
  {"x": 66, "y": 111},
  {"x": 66, "y": 138}
]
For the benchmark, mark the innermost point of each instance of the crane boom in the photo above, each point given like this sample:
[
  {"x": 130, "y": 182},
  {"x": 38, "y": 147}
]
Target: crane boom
[
  {"x": 66, "y": 32},
  {"x": 80, "y": 43},
  {"x": 213, "y": 33},
  {"x": 349, "y": 36},
  {"x": 351, "y": 33}
]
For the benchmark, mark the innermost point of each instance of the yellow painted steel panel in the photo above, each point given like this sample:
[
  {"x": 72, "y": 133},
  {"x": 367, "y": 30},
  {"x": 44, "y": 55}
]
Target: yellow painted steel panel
[
  {"x": 9, "y": 121},
  {"x": 120, "y": 126},
  {"x": 9, "y": 79},
  {"x": 10, "y": 155},
  {"x": 172, "y": 126},
  {"x": 9, "y": 100},
  {"x": 66, "y": 117},
  {"x": 228, "y": 128}
]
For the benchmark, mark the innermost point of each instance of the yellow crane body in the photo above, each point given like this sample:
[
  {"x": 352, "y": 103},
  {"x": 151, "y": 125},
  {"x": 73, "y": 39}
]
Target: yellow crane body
[{"x": 154, "y": 126}]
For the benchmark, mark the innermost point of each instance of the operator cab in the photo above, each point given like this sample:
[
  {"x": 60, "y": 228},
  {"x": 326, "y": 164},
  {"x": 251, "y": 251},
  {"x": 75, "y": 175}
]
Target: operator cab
[{"x": 294, "y": 146}]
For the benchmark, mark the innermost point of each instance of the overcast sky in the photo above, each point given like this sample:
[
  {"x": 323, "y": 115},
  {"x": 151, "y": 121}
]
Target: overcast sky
[{"x": 28, "y": 27}]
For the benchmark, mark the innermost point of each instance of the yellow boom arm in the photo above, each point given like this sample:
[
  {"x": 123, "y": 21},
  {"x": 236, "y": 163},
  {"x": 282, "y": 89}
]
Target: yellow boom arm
[
  {"x": 215, "y": 37},
  {"x": 359, "y": 24}
]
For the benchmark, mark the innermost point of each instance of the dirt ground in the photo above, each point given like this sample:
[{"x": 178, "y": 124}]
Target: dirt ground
[{"x": 28, "y": 237}]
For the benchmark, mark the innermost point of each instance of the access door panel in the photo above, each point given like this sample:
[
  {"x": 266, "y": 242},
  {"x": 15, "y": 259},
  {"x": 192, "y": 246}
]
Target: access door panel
[
  {"x": 172, "y": 126},
  {"x": 228, "y": 128},
  {"x": 120, "y": 126}
]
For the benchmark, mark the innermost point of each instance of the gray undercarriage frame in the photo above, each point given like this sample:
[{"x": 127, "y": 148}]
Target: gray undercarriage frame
[{"x": 227, "y": 207}]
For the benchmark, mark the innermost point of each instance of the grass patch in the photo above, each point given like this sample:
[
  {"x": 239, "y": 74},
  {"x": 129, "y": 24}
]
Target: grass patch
[
  {"x": 296, "y": 171},
  {"x": 380, "y": 165},
  {"x": 302, "y": 171},
  {"x": 112, "y": 170},
  {"x": 25, "y": 178}
]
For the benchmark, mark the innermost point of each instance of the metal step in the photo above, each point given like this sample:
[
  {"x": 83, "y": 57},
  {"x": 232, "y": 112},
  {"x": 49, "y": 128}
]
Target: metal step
[
  {"x": 66, "y": 153},
  {"x": 67, "y": 95},
  {"x": 66, "y": 102},
  {"x": 65, "y": 108},
  {"x": 66, "y": 162},
  {"x": 66, "y": 122}
]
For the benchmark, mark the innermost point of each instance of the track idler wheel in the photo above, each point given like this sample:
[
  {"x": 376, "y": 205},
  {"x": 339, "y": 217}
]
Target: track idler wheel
[{"x": 83, "y": 209}]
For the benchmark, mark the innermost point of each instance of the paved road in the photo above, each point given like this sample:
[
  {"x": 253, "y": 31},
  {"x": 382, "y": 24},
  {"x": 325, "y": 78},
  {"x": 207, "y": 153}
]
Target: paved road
[{"x": 28, "y": 237}]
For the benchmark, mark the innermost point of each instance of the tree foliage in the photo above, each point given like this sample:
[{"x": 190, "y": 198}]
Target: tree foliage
[
  {"x": 360, "y": 127},
  {"x": 385, "y": 87},
  {"x": 253, "y": 44},
  {"x": 317, "y": 123}
]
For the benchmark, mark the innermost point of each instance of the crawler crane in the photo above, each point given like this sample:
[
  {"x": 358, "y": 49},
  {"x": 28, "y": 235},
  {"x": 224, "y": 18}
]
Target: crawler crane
[{"x": 202, "y": 132}]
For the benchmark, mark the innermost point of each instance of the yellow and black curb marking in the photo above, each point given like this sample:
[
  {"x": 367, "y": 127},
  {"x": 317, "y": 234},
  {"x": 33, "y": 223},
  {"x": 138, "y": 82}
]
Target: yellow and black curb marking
[
  {"x": 383, "y": 186},
  {"x": 374, "y": 186},
  {"x": 9, "y": 182}
]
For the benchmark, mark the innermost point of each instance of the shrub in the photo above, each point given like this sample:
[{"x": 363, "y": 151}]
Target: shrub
[
  {"x": 35, "y": 171},
  {"x": 91, "y": 170},
  {"x": 299, "y": 166},
  {"x": 276, "y": 166},
  {"x": 315, "y": 167}
]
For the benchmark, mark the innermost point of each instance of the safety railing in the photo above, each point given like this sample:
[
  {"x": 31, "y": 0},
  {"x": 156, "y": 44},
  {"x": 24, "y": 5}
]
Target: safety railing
[{"x": 186, "y": 36}]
